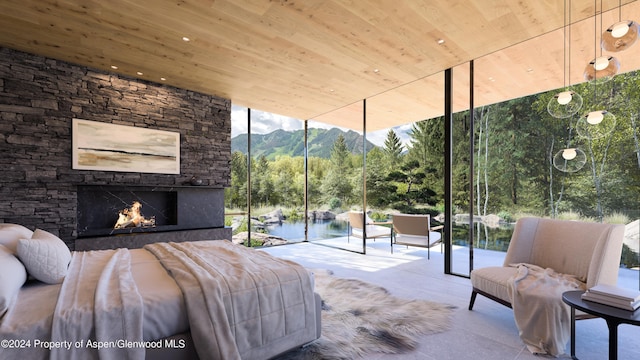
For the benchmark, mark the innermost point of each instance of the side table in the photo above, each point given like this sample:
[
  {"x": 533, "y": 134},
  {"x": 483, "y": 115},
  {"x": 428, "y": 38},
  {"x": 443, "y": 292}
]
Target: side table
[{"x": 612, "y": 315}]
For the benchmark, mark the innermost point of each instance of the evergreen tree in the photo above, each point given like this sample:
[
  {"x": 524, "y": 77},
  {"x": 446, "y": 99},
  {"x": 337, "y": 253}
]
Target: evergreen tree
[
  {"x": 411, "y": 175},
  {"x": 262, "y": 187},
  {"x": 392, "y": 149},
  {"x": 381, "y": 192},
  {"x": 339, "y": 153},
  {"x": 336, "y": 184},
  {"x": 427, "y": 147},
  {"x": 236, "y": 194},
  {"x": 419, "y": 142}
]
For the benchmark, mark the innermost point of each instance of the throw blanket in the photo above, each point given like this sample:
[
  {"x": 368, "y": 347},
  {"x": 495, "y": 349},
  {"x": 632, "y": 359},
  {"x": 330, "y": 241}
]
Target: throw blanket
[
  {"x": 98, "y": 306},
  {"x": 542, "y": 318},
  {"x": 241, "y": 303}
]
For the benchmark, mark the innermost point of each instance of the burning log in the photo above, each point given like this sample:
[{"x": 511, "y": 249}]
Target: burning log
[{"x": 132, "y": 217}]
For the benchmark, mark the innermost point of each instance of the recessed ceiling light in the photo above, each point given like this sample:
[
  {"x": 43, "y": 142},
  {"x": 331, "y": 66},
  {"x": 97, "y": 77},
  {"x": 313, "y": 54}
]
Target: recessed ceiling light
[
  {"x": 440, "y": 41},
  {"x": 184, "y": 38},
  {"x": 114, "y": 67},
  {"x": 491, "y": 78},
  {"x": 330, "y": 90},
  {"x": 376, "y": 70},
  {"x": 529, "y": 70},
  {"x": 139, "y": 73},
  {"x": 163, "y": 79}
]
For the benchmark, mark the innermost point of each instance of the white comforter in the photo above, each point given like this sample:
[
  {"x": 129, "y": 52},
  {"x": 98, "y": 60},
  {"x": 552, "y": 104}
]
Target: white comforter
[
  {"x": 240, "y": 303},
  {"x": 99, "y": 305},
  {"x": 542, "y": 318}
]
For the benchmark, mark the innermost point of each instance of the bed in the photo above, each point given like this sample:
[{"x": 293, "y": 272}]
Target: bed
[{"x": 205, "y": 299}]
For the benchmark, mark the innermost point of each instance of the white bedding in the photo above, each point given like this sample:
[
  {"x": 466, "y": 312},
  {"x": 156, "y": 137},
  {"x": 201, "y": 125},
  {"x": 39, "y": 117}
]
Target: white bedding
[
  {"x": 268, "y": 303},
  {"x": 165, "y": 314},
  {"x": 165, "y": 311},
  {"x": 99, "y": 301}
]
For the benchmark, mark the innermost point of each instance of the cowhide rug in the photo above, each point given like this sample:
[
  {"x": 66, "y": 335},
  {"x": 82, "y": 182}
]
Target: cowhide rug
[{"x": 359, "y": 318}]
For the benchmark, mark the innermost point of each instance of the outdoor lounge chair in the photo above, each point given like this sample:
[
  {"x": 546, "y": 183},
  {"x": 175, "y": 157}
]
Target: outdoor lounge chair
[
  {"x": 415, "y": 230},
  {"x": 357, "y": 220}
]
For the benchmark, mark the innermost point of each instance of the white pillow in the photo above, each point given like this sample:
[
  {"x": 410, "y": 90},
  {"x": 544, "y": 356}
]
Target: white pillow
[
  {"x": 11, "y": 233},
  {"x": 12, "y": 277},
  {"x": 45, "y": 256}
]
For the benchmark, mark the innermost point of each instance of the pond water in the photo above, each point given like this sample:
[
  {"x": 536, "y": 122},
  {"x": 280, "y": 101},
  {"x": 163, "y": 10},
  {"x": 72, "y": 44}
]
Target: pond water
[
  {"x": 485, "y": 237},
  {"x": 322, "y": 229}
]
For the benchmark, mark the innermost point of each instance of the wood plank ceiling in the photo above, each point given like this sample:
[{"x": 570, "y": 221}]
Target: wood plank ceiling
[{"x": 317, "y": 59}]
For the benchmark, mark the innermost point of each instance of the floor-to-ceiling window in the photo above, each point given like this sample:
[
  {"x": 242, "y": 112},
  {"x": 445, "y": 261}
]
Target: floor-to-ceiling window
[
  {"x": 267, "y": 176},
  {"x": 527, "y": 162},
  {"x": 518, "y": 170}
]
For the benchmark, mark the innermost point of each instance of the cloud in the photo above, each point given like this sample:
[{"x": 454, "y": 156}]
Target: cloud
[
  {"x": 261, "y": 122},
  {"x": 264, "y": 123}
]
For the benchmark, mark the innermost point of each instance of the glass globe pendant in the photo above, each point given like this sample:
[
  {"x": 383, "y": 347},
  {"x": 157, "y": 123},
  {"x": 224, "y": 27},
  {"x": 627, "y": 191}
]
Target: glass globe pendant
[
  {"x": 602, "y": 69},
  {"x": 596, "y": 124},
  {"x": 569, "y": 160},
  {"x": 564, "y": 104},
  {"x": 620, "y": 36}
]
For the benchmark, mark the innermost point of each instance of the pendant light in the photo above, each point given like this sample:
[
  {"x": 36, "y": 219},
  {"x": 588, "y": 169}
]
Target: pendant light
[
  {"x": 568, "y": 102},
  {"x": 569, "y": 160},
  {"x": 621, "y": 35},
  {"x": 602, "y": 68},
  {"x": 596, "y": 124}
]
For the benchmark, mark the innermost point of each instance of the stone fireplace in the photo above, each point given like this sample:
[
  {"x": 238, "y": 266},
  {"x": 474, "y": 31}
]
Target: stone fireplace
[
  {"x": 40, "y": 96},
  {"x": 173, "y": 213}
]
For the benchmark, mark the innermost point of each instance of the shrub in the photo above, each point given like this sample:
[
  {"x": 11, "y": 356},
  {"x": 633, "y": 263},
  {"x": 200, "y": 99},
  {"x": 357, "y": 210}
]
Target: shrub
[
  {"x": 334, "y": 203},
  {"x": 294, "y": 215},
  {"x": 616, "y": 218},
  {"x": 569, "y": 215},
  {"x": 506, "y": 216},
  {"x": 379, "y": 216}
]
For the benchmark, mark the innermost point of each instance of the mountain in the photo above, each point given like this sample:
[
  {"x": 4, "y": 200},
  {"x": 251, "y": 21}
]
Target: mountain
[{"x": 291, "y": 143}]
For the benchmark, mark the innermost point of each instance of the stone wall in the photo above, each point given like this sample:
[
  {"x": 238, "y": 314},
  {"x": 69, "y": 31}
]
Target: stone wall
[{"x": 38, "y": 99}]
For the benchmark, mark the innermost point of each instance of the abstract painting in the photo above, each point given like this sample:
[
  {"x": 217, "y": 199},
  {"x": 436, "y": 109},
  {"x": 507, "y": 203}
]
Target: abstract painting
[{"x": 111, "y": 147}]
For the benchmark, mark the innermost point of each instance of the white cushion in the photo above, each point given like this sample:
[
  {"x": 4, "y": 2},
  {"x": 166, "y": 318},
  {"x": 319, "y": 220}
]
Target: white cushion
[
  {"x": 372, "y": 231},
  {"x": 12, "y": 277},
  {"x": 434, "y": 238},
  {"x": 494, "y": 280},
  {"x": 45, "y": 256},
  {"x": 11, "y": 233}
]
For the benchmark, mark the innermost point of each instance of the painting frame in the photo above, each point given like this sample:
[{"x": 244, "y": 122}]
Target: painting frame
[{"x": 103, "y": 146}]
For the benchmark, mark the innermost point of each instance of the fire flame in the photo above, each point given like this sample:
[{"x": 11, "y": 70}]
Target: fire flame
[{"x": 132, "y": 217}]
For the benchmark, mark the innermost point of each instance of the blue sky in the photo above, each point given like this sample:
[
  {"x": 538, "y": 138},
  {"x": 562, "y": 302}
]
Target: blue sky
[{"x": 264, "y": 123}]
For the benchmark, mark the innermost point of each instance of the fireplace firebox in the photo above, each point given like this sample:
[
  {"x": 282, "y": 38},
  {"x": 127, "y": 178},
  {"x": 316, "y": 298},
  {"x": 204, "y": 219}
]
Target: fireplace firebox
[{"x": 164, "y": 208}]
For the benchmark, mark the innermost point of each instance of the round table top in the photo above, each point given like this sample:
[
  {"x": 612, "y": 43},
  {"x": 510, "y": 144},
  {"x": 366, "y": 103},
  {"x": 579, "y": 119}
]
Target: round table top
[{"x": 574, "y": 299}]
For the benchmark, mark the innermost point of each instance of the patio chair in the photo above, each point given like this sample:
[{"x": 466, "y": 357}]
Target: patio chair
[
  {"x": 415, "y": 230},
  {"x": 357, "y": 221}
]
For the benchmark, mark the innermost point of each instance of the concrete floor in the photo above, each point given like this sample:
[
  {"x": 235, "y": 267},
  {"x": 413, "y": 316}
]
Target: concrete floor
[{"x": 488, "y": 332}]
